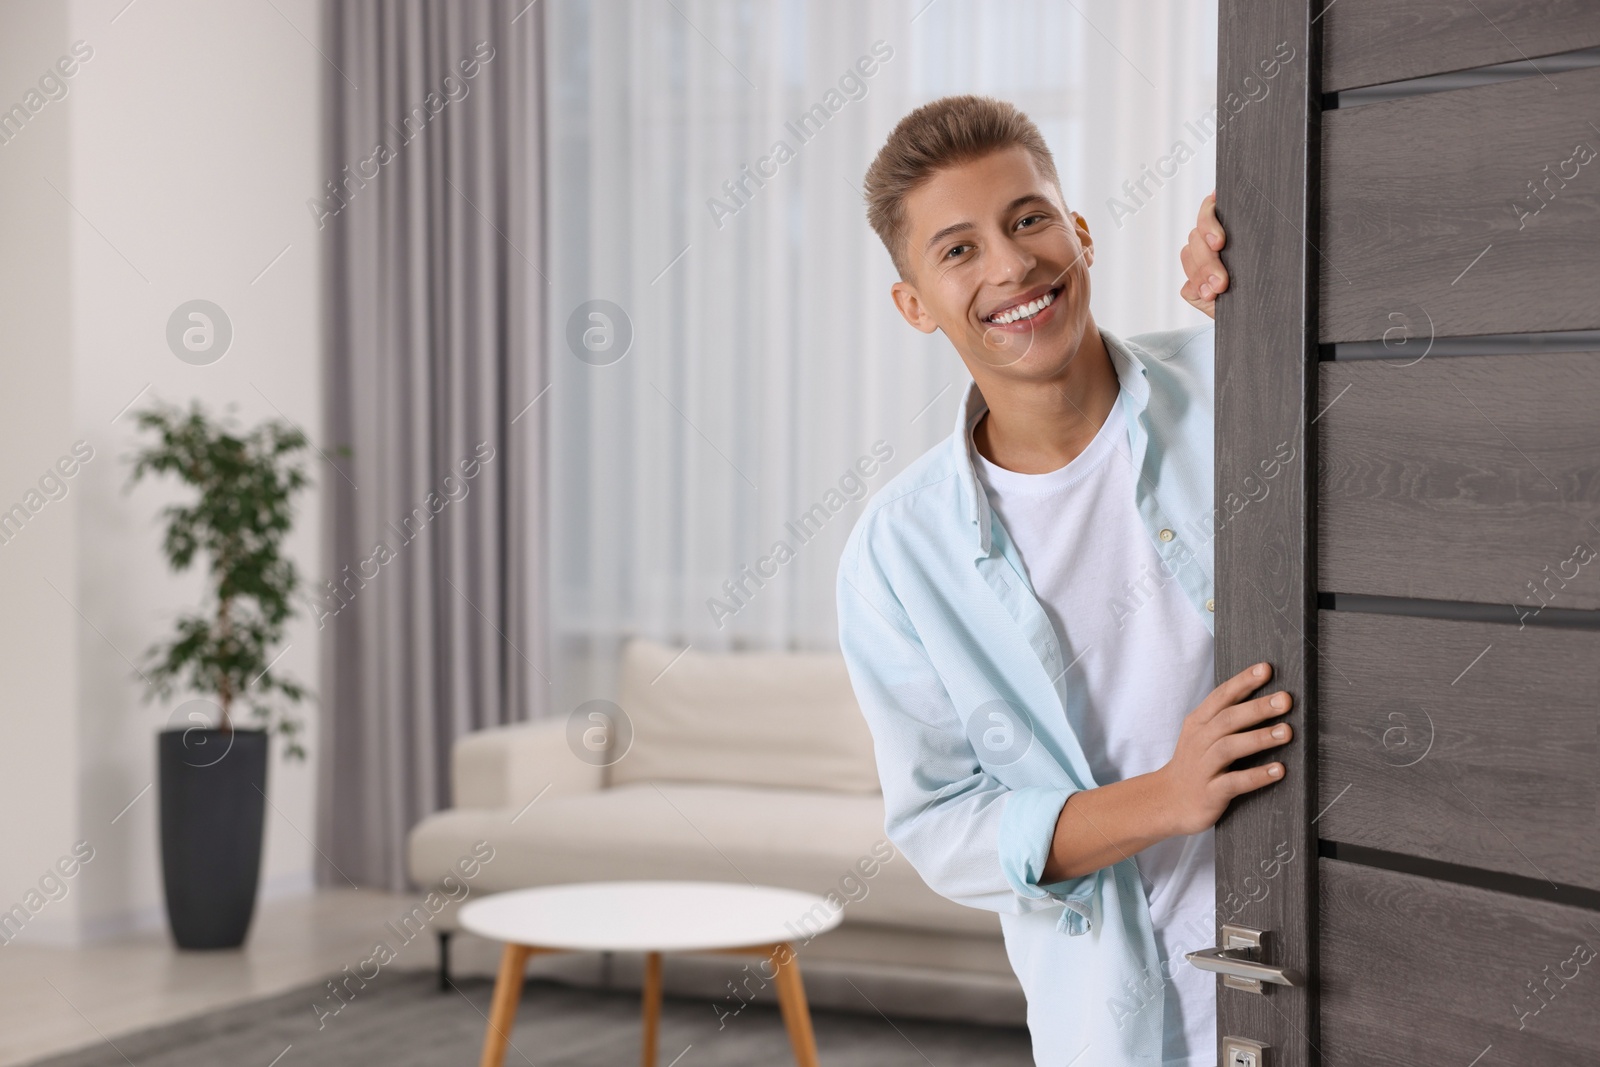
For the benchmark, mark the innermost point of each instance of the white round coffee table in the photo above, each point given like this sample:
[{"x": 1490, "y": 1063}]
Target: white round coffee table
[{"x": 650, "y": 917}]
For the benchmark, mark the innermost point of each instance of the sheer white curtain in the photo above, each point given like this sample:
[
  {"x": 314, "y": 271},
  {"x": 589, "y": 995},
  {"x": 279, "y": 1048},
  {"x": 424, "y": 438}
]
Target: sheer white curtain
[{"x": 766, "y": 363}]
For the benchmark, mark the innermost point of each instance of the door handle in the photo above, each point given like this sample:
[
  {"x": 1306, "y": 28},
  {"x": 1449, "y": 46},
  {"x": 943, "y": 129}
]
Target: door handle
[{"x": 1238, "y": 961}]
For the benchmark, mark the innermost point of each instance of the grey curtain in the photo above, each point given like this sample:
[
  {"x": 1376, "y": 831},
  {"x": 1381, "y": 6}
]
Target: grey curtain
[{"x": 432, "y": 615}]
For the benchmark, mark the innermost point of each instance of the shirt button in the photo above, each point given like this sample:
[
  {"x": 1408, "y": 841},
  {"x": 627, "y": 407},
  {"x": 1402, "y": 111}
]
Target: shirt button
[
  {"x": 1166, "y": 535},
  {"x": 1211, "y": 604}
]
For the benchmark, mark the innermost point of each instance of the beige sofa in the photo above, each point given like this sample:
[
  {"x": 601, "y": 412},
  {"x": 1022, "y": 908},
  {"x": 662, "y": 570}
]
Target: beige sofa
[{"x": 740, "y": 767}]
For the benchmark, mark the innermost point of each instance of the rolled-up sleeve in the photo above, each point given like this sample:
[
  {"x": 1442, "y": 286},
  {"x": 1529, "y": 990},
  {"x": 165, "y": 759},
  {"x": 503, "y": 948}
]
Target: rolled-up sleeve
[
  {"x": 1027, "y": 829},
  {"x": 973, "y": 838}
]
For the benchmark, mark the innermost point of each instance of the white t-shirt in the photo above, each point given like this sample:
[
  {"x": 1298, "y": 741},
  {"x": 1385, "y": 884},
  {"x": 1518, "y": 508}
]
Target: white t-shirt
[{"x": 1140, "y": 660}]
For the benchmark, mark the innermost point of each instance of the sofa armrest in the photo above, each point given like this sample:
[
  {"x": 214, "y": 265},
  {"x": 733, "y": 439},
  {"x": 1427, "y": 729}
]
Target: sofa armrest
[{"x": 507, "y": 766}]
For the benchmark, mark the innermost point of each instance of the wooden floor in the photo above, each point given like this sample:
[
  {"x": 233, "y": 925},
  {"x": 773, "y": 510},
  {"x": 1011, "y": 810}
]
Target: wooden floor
[
  {"x": 57, "y": 999},
  {"x": 404, "y": 1020},
  {"x": 139, "y": 1000}
]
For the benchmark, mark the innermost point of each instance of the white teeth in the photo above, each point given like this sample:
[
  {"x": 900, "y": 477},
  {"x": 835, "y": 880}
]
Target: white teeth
[{"x": 1025, "y": 311}]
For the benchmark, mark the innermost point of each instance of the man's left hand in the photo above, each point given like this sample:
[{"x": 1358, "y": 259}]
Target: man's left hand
[{"x": 1202, "y": 264}]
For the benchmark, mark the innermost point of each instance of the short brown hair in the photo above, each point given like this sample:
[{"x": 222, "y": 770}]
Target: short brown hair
[{"x": 937, "y": 135}]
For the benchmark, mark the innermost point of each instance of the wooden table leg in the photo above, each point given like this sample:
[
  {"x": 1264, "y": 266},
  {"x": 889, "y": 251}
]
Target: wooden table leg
[
  {"x": 652, "y": 1006},
  {"x": 792, "y": 1003},
  {"x": 503, "y": 1008}
]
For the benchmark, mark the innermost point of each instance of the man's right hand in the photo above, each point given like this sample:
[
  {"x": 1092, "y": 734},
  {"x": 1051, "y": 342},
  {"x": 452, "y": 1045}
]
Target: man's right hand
[{"x": 1225, "y": 727}]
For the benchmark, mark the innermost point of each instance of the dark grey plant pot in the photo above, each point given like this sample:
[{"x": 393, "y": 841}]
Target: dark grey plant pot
[{"x": 213, "y": 811}]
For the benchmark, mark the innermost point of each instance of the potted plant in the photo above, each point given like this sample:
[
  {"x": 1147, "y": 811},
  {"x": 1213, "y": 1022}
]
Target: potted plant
[{"x": 213, "y": 774}]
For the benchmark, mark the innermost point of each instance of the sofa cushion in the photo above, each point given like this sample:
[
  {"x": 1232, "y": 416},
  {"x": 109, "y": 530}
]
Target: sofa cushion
[
  {"x": 797, "y": 839},
  {"x": 754, "y": 718}
]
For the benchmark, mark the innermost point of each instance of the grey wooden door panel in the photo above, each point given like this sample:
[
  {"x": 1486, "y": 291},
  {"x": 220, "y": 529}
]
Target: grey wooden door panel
[
  {"x": 1470, "y": 478},
  {"x": 1444, "y": 771},
  {"x": 1369, "y": 42},
  {"x": 1467, "y": 742},
  {"x": 1416, "y": 971},
  {"x": 1266, "y": 357},
  {"x": 1428, "y": 217}
]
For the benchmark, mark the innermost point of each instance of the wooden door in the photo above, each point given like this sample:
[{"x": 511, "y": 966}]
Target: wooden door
[{"x": 1413, "y": 214}]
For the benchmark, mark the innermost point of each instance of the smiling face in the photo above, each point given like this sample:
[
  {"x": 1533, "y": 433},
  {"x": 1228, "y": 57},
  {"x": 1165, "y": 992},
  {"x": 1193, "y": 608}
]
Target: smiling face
[{"x": 1000, "y": 265}]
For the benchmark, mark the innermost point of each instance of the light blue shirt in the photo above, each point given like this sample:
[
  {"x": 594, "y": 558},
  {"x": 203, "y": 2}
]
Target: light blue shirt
[{"x": 959, "y": 674}]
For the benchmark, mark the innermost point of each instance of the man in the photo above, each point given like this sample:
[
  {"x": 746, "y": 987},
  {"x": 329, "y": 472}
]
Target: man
[{"x": 1026, "y": 610}]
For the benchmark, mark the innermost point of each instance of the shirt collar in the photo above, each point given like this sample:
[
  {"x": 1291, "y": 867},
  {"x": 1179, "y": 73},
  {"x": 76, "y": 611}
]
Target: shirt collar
[{"x": 1128, "y": 360}]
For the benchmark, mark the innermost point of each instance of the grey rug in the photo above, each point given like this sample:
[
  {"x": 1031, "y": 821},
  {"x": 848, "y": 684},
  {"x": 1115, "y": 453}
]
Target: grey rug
[{"x": 402, "y": 1020}]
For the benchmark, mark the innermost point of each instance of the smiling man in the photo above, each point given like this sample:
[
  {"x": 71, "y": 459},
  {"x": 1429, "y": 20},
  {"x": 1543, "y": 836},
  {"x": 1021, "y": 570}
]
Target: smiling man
[{"x": 1026, "y": 610}]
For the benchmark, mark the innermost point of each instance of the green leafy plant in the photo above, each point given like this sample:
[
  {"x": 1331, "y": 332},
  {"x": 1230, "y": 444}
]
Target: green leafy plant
[{"x": 238, "y": 522}]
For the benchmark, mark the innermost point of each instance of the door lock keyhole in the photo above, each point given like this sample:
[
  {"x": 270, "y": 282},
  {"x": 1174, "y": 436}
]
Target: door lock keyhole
[{"x": 1243, "y": 1052}]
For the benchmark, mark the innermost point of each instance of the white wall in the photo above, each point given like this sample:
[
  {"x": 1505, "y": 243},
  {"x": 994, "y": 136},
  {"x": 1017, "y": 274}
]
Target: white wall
[
  {"x": 184, "y": 153},
  {"x": 38, "y": 576}
]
